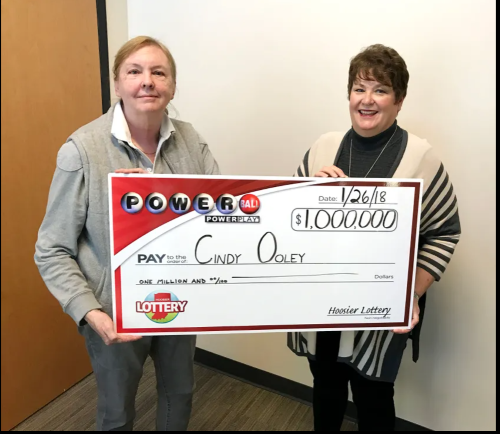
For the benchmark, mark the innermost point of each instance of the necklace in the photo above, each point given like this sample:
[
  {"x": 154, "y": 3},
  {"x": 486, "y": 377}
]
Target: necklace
[
  {"x": 142, "y": 150},
  {"x": 383, "y": 149}
]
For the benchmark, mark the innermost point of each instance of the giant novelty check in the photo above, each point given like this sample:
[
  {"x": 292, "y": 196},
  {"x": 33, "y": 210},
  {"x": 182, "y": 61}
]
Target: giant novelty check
[{"x": 200, "y": 254}]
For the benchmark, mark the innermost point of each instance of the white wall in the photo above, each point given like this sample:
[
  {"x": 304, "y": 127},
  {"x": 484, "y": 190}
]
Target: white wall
[
  {"x": 262, "y": 79},
  {"x": 117, "y": 20}
]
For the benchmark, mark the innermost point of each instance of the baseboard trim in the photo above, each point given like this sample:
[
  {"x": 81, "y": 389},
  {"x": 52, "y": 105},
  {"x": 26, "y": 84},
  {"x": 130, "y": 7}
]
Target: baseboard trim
[{"x": 277, "y": 384}]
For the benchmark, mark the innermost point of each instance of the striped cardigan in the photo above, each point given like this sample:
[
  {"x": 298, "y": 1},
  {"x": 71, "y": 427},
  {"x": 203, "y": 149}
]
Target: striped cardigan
[{"x": 377, "y": 354}]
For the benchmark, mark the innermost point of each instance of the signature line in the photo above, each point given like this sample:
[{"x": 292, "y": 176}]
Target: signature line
[{"x": 290, "y": 275}]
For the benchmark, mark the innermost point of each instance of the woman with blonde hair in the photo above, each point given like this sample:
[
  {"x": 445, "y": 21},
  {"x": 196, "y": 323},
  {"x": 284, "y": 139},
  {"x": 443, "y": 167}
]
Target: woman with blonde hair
[{"x": 136, "y": 135}]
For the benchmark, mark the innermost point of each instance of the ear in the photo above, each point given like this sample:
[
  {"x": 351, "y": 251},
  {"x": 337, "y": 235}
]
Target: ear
[
  {"x": 400, "y": 104},
  {"x": 117, "y": 89}
]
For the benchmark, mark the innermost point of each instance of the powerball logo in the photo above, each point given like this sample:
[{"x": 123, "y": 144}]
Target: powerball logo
[
  {"x": 161, "y": 307},
  {"x": 202, "y": 203}
]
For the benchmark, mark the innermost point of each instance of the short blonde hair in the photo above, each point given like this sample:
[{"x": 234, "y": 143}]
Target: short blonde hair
[{"x": 136, "y": 44}]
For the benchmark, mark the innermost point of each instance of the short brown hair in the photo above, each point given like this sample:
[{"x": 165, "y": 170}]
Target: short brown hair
[
  {"x": 383, "y": 64},
  {"x": 136, "y": 44}
]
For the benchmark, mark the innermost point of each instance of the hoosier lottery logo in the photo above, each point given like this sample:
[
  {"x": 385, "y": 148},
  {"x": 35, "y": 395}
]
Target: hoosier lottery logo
[{"x": 161, "y": 307}]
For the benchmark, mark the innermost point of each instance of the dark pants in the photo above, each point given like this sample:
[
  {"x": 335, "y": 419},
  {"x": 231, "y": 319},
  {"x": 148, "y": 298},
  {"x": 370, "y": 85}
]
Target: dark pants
[
  {"x": 118, "y": 370},
  {"x": 374, "y": 399}
]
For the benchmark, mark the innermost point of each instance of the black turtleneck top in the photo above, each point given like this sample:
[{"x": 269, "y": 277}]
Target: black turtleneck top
[{"x": 365, "y": 151}]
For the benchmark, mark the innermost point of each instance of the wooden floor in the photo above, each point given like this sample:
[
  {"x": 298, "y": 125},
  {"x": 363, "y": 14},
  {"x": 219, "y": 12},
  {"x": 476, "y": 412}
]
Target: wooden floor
[{"x": 221, "y": 403}]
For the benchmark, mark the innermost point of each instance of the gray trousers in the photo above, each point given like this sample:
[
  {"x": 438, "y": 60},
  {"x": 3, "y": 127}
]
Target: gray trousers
[{"x": 118, "y": 369}]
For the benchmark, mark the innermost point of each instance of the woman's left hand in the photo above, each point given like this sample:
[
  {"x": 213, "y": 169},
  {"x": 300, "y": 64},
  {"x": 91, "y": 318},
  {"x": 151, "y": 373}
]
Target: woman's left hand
[
  {"x": 414, "y": 321},
  {"x": 137, "y": 170}
]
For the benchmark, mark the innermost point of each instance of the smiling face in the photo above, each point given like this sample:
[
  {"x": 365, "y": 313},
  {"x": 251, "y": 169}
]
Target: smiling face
[
  {"x": 372, "y": 106},
  {"x": 144, "y": 82}
]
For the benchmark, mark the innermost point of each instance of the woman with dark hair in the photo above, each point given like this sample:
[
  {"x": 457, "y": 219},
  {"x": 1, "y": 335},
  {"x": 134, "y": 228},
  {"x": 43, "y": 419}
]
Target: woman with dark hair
[{"x": 377, "y": 147}]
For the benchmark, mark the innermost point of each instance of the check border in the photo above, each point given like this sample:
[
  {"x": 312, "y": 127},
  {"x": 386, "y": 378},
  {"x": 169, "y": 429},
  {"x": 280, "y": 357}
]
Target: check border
[{"x": 416, "y": 185}]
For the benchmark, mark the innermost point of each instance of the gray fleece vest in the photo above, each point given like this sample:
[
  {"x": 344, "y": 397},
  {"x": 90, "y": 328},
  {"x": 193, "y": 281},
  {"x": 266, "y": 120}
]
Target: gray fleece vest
[{"x": 183, "y": 153}]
